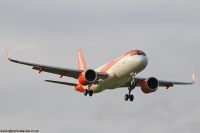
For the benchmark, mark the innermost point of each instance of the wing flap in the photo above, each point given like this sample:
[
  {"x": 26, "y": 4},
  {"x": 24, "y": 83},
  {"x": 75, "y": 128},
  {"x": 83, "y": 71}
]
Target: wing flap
[
  {"x": 60, "y": 71},
  {"x": 164, "y": 83}
]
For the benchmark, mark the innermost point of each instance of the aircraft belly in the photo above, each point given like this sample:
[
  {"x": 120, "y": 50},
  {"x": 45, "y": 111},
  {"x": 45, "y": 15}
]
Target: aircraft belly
[
  {"x": 112, "y": 83},
  {"x": 97, "y": 88},
  {"x": 109, "y": 83}
]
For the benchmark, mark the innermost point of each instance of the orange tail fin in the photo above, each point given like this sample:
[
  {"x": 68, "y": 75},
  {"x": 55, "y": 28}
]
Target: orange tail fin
[{"x": 81, "y": 61}]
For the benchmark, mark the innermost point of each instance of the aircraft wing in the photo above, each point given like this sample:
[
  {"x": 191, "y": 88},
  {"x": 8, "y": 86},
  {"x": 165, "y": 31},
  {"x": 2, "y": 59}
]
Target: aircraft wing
[
  {"x": 56, "y": 70},
  {"x": 162, "y": 83}
]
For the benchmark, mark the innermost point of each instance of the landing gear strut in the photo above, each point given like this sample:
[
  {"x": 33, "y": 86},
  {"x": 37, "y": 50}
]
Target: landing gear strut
[
  {"x": 88, "y": 91},
  {"x": 130, "y": 88}
]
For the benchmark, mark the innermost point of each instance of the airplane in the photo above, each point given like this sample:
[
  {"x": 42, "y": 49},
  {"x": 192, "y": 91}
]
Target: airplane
[{"x": 119, "y": 72}]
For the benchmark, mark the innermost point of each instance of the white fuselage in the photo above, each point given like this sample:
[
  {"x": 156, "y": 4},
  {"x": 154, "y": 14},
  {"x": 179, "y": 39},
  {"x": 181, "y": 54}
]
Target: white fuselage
[{"x": 119, "y": 73}]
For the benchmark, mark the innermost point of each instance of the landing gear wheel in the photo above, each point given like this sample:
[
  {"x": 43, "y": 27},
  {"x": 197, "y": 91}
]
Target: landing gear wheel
[
  {"x": 90, "y": 92},
  {"x": 126, "y": 97},
  {"x": 85, "y": 92},
  {"x": 131, "y": 97}
]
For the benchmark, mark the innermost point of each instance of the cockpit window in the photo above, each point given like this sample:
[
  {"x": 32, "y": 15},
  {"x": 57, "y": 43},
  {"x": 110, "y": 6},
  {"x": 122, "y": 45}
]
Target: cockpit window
[
  {"x": 138, "y": 53},
  {"x": 144, "y": 54}
]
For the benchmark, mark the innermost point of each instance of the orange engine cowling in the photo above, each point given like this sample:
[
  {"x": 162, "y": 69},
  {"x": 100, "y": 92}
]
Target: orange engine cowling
[
  {"x": 149, "y": 85},
  {"x": 87, "y": 77}
]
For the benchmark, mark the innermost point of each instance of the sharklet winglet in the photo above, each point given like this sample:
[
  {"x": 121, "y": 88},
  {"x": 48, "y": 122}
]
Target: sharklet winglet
[
  {"x": 193, "y": 78},
  {"x": 7, "y": 54}
]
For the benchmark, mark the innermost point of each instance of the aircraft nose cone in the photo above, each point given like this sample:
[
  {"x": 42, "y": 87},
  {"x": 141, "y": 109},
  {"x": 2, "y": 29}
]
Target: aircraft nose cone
[{"x": 141, "y": 62}]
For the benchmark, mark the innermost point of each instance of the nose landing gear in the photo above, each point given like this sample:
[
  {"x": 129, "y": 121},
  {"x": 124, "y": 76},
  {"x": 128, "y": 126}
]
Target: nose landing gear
[
  {"x": 130, "y": 88},
  {"x": 129, "y": 96}
]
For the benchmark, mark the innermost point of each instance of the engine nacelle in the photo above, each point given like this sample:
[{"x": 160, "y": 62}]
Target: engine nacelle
[
  {"x": 149, "y": 85},
  {"x": 87, "y": 77}
]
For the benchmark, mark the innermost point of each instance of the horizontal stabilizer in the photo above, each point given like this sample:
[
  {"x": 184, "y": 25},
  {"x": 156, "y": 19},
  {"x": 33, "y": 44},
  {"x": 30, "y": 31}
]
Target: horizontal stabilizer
[{"x": 64, "y": 83}]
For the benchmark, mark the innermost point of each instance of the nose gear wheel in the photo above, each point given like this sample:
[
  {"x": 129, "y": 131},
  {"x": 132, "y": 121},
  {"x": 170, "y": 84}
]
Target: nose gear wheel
[{"x": 128, "y": 97}]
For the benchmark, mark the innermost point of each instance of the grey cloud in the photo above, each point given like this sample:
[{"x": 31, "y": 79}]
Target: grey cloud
[{"x": 50, "y": 32}]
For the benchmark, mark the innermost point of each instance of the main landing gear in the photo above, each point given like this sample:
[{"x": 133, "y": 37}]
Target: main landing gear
[
  {"x": 88, "y": 91},
  {"x": 130, "y": 88}
]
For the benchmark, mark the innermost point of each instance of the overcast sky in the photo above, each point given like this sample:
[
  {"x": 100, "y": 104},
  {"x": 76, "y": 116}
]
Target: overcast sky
[{"x": 51, "y": 32}]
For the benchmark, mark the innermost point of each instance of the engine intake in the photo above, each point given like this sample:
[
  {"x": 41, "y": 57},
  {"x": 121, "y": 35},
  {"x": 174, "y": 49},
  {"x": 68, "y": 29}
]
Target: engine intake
[
  {"x": 149, "y": 85},
  {"x": 87, "y": 77}
]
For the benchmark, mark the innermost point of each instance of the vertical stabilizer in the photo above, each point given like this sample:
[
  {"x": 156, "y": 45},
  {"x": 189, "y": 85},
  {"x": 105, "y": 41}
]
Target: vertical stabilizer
[{"x": 81, "y": 61}]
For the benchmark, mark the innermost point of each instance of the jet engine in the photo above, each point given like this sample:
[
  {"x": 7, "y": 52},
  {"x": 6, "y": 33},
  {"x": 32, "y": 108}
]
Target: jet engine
[
  {"x": 149, "y": 85},
  {"x": 87, "y": 77}
]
